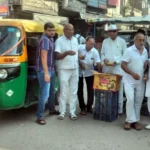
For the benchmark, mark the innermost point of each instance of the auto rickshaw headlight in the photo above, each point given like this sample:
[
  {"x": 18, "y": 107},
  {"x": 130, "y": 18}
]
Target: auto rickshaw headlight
[{"x": 3, "y": 73}]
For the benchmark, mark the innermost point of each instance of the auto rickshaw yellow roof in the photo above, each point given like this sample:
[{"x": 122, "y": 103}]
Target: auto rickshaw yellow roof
[{"x": 32, "y": 25}]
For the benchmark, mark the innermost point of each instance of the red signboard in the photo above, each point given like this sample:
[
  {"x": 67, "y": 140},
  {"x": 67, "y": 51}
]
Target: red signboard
[
  {"x": 113, "y": 2},
  {"x": 4, "y": 10}
]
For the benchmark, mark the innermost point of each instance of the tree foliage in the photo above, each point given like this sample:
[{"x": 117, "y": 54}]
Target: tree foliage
[{"x": 128, "y": 8}]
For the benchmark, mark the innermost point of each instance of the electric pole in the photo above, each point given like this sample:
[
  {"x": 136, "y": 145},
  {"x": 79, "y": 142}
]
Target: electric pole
[{"x": 132, "y": 8}]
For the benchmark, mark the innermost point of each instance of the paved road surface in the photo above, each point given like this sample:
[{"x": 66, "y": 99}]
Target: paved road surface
[{"x": 18, "y": 131}]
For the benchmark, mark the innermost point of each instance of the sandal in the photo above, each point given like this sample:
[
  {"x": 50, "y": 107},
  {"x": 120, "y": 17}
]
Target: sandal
[
  {"x": 41, "y": 121},
  {"x": 83, "y": 112},
  {"x": 147, "y": 127},
  {"x": 137, "y": 126},
  {"x": 73, "y": 117},
  {"x": 61, "y": 117},
  {"x": 127, "y": 126}
]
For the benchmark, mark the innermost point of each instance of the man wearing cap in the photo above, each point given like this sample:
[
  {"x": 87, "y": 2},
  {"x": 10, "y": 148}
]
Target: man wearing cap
[{"x": 111, "y": 54}]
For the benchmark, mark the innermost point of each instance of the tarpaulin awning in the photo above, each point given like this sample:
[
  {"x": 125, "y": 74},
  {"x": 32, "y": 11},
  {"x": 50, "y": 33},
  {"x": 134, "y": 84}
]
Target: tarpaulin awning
[
  {"x": 127, "y": 20},
  {"x": 87, "y": 16},
  {"x": 47, "y": 18}
]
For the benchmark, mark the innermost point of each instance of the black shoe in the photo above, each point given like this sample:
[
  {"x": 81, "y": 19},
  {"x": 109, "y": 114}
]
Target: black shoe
[{"x": 54, "y": 112}]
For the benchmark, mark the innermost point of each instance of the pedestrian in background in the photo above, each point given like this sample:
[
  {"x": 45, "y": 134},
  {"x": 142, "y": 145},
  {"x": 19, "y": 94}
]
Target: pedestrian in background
[{"x": 80, "y": 38}]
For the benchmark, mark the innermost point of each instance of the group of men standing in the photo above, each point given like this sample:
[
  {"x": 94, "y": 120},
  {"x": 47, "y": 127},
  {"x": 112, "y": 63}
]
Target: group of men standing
[
  {"x": 131, "y": 63},
  {"x": 74, "y": 63}
]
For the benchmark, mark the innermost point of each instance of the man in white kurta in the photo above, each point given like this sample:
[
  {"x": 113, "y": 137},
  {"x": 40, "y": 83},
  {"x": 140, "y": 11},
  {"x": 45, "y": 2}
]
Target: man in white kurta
[
  {"x": 112, "y": 51},
  {"x": 133, "y": 65},
  {"x": 66, "y": 50}
]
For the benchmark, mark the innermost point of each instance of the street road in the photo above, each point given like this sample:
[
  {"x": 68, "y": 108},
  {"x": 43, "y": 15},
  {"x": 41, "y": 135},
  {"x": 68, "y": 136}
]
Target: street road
[{"x": 18, "y": 131}]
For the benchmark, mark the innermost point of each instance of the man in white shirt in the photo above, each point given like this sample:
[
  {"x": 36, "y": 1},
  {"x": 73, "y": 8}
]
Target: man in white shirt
[
  {"x": 91, "y": 57},
  {"x": 80, "y": 38},
  {"x": 147, "y": 92},
  {"x": 133, "y": 65},
  {"x": 111, "y": 53},
  {"x": 66, "y": 50}
]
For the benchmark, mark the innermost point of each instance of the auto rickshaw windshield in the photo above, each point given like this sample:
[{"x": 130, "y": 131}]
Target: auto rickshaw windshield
[{"x": 9, "y": 36}]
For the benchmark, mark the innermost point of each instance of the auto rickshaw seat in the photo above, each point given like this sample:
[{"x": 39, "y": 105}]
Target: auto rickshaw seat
[
  {"x": 32, "y": 62},
  {"x": 32, "y": 43},
  {"x": 32, "y": 55},
  {"x": 32, "y": 72}
]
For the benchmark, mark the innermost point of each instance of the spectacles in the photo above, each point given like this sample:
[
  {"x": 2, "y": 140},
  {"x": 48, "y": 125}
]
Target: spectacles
[
  {"x": 112, "y": 31},
  {"x": 51, "y": 30}
]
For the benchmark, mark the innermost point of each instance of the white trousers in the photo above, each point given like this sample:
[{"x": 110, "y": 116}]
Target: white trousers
[
  {"x": 134, "y": 94},
  {"x": 68, "y": 80},
  {"x": 120, "y": 103},
  {"x": 148, "y": 104}
]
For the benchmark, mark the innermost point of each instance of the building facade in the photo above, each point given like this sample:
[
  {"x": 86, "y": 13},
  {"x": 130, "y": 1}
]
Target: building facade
[
  {"x": 44, "y": 10},
  {"x": 131, "y": 7},
  {"x": 146, "y": 7},
  {"x": 114, "y": 7}
]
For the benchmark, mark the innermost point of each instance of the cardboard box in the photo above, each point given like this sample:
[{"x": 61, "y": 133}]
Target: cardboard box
[{"x": 107, "y": 82}]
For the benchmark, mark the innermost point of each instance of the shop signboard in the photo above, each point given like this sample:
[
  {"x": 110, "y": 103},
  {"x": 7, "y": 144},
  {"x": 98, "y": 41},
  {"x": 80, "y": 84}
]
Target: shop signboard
[{"x": 4, "y": 8}]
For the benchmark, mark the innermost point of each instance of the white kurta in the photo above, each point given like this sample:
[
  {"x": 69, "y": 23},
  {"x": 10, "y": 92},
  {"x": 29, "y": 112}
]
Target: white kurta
[{"x": 113, "y": 51}]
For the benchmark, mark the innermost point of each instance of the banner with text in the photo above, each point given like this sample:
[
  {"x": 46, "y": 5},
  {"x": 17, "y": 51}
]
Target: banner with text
[
  {"x": 113, "y": 2},
  {"x": 98, "y": 3}
]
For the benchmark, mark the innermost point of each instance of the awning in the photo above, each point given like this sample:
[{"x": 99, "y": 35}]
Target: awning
[
  {"x": 127, "y": 20},
  {"x": 88, "y": 16},
  {"x": 46, "y": 18}
]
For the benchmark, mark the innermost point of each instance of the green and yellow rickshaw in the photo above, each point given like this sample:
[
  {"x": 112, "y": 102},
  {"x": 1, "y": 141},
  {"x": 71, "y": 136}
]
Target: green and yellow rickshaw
[{"x": 18, "y": 44}]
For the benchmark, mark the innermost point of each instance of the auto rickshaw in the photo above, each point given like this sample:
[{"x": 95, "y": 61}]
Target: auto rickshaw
[{"x": 18, "y": 44}]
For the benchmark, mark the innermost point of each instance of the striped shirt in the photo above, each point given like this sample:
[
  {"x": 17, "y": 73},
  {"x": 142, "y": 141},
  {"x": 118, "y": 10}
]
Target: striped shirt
[{"x": 45, "y": 43}]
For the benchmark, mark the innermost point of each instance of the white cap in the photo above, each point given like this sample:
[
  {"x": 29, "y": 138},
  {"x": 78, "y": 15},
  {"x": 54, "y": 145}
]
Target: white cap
[{"x": 112, "y": 27}]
